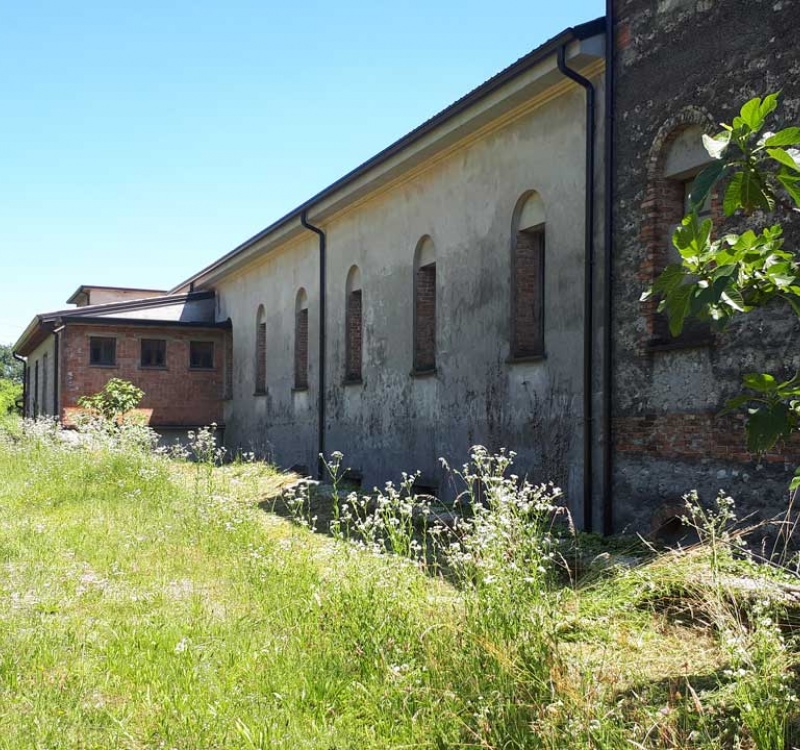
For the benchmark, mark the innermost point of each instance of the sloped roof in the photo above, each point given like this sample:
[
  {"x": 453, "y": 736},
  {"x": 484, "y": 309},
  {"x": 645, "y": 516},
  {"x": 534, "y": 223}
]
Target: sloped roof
[{"x": 195, "y": 309}]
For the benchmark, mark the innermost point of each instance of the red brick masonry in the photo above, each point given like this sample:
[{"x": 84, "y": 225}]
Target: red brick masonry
[
  {"x": 177, "y": 394},
  {"x": 693, "y": 436}
]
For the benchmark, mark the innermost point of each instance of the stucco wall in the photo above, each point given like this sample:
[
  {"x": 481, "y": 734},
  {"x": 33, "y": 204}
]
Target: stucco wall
[
  {"x": 679, "y": 62},
  {"x": 41, "y": 402},
  {"x": 393, "y": 421}
]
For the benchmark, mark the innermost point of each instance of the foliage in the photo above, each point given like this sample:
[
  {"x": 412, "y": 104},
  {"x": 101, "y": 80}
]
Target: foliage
[
  {"x": 117, "y": 399},
  {"x": 10, "y": 396},
  {"x": 10, "y": 368},
  {"x": 142, "y": 608},
  {"x": 721, "y": 277}
]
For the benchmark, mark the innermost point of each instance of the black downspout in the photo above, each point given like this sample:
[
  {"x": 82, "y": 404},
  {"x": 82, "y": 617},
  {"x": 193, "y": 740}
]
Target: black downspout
[
  {"x": 608, "y": 278},
  {"x": 24, "y": 382},
  {"x": 56, "y": 347},
  {"x": 588, "y": 283},
  {"x": 321, "y": 396}
]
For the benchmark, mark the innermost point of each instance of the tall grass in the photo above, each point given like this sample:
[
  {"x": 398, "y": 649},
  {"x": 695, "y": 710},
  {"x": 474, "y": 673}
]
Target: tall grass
[{"x": 149, "y": 602}]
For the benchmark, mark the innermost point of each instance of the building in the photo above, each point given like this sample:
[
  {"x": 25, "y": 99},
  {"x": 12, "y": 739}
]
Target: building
[
  {"x": 169, "y": 345},
  {"x": 456, "y": 288}
]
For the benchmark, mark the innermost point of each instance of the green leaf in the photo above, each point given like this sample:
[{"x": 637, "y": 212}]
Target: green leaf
[
  {"x": 784, "y": 157},
  {"x": 759, "y": 381},
  {"x": 747, "y": 191},
  {"x": 671, "y": 278},
  {"x": 677, "y": 305},
  {"x": 785, "y": 137},
  {"x": 795, "y": 483},
  {"x": 767, "y": 425},
  {"x": 792, "y": 186},
  {"x": 705, "y": 181},
  {"x": 717, "y": 144},
  {"x": 734, "y": 299},
  {"x": 733, "y": 195},
  {"x": 755, "y": 112},
  {"x": 735, "y": 403}
]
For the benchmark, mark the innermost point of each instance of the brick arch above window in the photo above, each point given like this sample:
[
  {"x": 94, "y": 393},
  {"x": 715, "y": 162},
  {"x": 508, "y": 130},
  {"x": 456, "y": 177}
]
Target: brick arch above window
[{"x": 670, "y": 129}]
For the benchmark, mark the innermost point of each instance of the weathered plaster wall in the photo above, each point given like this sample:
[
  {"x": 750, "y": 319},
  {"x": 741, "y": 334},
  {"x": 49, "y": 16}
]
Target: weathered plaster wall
[
  {"x": 177, "y": 394},
  {"x": 41, "y": 402},
  {"x": 392, "y": 420},
  {"x": 678, "y": 60}
]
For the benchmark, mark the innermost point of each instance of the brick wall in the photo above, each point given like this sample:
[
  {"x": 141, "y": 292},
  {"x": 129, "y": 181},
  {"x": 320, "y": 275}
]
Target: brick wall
[
  {"x": 528, "y": 294},
  {"x": 301, "y": 349},
  {"x": 695, "y": 435},
  {"x": 354, "y": 336},
  {"x": 261, "y": 358},
  {"x": 425, "y": 319},
  {"x": 176, "y": 394}
]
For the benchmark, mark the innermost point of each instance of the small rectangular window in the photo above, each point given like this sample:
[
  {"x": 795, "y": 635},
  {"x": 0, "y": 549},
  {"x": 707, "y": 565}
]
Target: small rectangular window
[
  {"x": 102, "y": 351},
  {"x": 201, "y": 355},
  {"x": 154, "y": 353}
]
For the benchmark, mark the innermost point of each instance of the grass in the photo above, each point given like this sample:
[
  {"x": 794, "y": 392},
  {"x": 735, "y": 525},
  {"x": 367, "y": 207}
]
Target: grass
[{"x": 153, "y": 603}]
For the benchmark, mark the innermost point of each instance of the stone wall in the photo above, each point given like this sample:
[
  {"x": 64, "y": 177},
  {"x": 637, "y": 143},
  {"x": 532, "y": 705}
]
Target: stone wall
[{"x": 680, "y": 63}]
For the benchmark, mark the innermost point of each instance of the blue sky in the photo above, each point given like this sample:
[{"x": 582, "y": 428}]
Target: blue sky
[{"x": 140, "y": 141}]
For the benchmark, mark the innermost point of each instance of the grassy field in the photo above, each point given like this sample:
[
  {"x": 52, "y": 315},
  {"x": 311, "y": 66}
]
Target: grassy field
[{"x": 153, "y": 603}]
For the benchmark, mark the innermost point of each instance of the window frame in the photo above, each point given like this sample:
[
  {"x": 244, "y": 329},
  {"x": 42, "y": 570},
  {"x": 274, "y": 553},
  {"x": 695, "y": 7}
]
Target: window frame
[
  {"x": 201, "y": 342},
  {"x": 112, "y": 340},
  {"x": 153, "y": 366}
]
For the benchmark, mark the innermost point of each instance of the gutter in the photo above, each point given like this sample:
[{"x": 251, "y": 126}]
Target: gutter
[
  {"x": 608, "y": 280},
  {"x": 322, "y": 301},
  {"x": 588, "y": 282},
  {"x": 24, "y": 382}
]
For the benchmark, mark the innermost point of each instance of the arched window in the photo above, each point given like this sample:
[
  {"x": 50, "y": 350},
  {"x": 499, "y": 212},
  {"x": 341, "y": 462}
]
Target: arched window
[
  {"x": 676, "y": 158},
  {"x": 261, "y": 350},
  {"x": 354, "y": 329},
  {"x": 425, "y": 306},
  {"x": 527, "y": 277},
  {"x": 301, "y": 340}
]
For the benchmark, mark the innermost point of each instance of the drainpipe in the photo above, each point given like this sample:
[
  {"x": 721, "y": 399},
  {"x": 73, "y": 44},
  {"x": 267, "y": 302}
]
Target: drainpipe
[
  {"x": 588, "y": 283},
  {"x": 56, "y": 370},
  {"x": 24, "y": 382},
  {"x": 321, "y": 387},
  {"x": 608, "y": 278}
]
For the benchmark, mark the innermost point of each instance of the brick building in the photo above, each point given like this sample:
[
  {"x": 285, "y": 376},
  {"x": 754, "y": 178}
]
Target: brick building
[
  {"x": 478, "y": 281},
  {"x": 168, "y": 345}
]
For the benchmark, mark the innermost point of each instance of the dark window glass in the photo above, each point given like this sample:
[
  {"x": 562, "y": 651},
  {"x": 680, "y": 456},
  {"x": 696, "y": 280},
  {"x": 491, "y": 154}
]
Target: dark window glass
[
  {"x": 102, "y": 351},
  {"x": 154, "y": 353},
  {"x": 201, "y": 355}
]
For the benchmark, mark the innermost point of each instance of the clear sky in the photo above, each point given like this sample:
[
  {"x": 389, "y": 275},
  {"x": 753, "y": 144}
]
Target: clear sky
[{"x": 140, "y": 141}]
